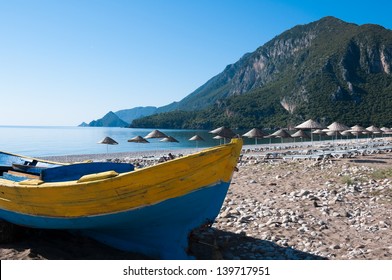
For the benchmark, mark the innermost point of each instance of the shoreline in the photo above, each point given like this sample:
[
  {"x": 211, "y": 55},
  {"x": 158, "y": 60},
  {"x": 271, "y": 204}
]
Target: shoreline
[
  {"x": 246, "y": 149},
  {"x": 334, "y": 208}
]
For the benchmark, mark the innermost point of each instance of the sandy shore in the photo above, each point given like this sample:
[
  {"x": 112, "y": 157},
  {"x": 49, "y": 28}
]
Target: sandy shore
[{"x": 275, "y": 209}]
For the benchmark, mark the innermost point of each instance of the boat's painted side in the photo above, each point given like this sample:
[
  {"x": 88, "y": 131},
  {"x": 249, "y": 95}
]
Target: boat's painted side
[
  {"x": 158, "y": 231},
  {"x": 149, "y": 210}
]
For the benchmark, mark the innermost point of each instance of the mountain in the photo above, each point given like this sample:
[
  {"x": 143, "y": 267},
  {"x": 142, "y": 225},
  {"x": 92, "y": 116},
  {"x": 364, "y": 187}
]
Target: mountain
[
  {"x": 110, "y": 119},
  {"x": 128, "y": 115},
  {"x": 83, "y": 124},
  {"x": 329, "y": 70},
  {"x": 122, "y": 118}
]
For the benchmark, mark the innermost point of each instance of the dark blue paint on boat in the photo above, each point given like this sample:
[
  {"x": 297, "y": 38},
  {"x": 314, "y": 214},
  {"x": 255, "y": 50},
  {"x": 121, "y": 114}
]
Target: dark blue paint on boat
[{"x": 75, "y": 171}]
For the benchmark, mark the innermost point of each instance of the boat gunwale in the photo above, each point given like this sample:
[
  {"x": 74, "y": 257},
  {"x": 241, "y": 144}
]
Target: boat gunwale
[
  {"x": 124, "y": 174},
  {"x": 34, "y": 158},
  {"x": 122, "y": 190}
]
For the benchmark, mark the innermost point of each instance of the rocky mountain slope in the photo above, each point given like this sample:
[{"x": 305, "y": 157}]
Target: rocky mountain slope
[
  {"x": 328, "y": 70},
  {"x": 345, "y": 51}
]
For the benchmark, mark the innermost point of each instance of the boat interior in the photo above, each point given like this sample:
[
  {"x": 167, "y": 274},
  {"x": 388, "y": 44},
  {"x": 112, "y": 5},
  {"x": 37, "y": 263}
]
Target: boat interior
[{"x": 48, "y": 172}]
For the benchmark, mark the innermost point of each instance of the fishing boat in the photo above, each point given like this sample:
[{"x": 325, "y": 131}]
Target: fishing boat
[{"x": 151, "y": 210}]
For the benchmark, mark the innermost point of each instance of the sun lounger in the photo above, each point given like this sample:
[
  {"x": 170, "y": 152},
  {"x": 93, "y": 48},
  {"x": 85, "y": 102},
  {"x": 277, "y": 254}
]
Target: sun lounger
[
  {"x": 316, "y": 156},
  {"x": 344, "y": 153}
]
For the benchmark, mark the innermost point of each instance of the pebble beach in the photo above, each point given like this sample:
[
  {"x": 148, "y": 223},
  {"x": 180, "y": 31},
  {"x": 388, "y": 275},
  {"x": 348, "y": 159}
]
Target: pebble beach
[{"x": 276, "y": 209}]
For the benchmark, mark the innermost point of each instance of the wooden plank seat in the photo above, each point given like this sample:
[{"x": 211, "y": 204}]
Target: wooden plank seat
[
  {"x": 18, "y": 176},
  {"x": 76, "y": 171}
]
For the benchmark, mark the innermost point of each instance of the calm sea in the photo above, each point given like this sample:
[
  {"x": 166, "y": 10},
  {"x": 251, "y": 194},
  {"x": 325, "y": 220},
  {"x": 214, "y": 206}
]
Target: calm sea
[{"x": 52, "y": 141}]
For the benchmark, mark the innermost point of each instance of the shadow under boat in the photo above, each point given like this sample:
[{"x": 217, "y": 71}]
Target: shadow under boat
[
  {"x": 205, "y": 244},
  {"x": 215, "y": 244}
]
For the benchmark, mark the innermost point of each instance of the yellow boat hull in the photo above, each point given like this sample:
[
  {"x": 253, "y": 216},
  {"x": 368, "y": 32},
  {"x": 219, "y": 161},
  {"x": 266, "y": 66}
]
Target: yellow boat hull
[{"x": 156, "y": 205}]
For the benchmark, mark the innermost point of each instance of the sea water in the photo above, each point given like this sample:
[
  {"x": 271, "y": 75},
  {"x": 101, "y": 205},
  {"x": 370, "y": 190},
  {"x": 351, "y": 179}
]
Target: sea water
[{"x": 56, "y": 141}]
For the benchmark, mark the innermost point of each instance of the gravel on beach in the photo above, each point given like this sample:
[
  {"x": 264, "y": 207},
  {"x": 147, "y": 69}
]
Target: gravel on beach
[{"x": 275, "y": 209}]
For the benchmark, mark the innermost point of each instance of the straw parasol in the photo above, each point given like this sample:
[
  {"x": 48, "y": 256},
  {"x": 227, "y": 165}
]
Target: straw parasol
[
  {"x": 366, "y": 132},
  {"x": 310, "y": 124},
  {"x": 155, "y": 134},
  {"x": 346, "y": 133},
  {"x": 281, "y": 133},
  {"x": 224, "y": 132},
  {"x": 300, "y": 134},
  {"x": 138, "y": 139},
  {"x": 373, "y": 129},
  {"x": 337, "y": 127},
  {"x": 169, "y": 139},
  {"x": 319, "y": 132},
  {"x": 356, "y": 130},
  {"x": 108, "y": 141},
  {"x": 218, "y": 137},
  {"x": 386, "y": 130},
  {"x": 196, "y": 138},
  {"x": 333, "y": 133},
  {"x": 270, "y": 137},
  {"x": 255, "y": 133}
]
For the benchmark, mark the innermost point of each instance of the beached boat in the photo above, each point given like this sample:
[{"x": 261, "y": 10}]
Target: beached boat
[{"x": 151, "y": 210}]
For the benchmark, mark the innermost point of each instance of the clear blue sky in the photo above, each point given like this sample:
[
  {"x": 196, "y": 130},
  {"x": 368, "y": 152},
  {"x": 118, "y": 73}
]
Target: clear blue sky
[{"x": 67, "y": 61}]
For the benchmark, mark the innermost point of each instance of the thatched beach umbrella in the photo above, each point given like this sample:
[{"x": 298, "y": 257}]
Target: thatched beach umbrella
[
  {"x": 155, "y": 134},
  {"x": 386, "y": 130},
  {"x": 337, "y": 127},
  {"x": 138, "y": 139},
  {"x": 310, "y": 124},
  {"x": 281, "y": 133},
  {"x": 218, "y": 137},
  {"x": 169, "y": 139},
  {"x": 366, "y": 132},
  {"x": 346, "y": 133},
  {"x": 319, "y": 132},
  {"x": 333, "y": 133},
  {"x": 224, "y": 132},
  {"x": 270, "y": 137},
  {"x": 374, "y": 130},
  {"x": 108, "y": 141},
  {"x": 300, "y": 134},
  {"x": 196, "y": 138},
  {"x": 356, "y": 130},
  {"x": 255, "y": 133}
]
